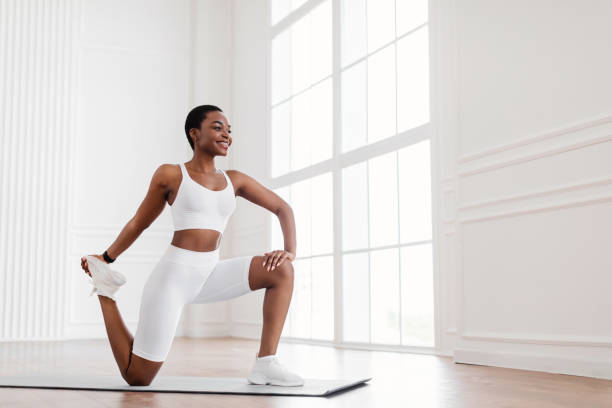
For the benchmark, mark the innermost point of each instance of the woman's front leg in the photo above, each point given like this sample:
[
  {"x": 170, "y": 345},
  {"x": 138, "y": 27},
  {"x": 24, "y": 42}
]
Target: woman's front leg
[{"x": 279, "y": 289}]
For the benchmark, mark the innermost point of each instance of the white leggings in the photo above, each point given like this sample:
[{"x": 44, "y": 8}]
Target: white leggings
[{"x": 183, "y": 276}]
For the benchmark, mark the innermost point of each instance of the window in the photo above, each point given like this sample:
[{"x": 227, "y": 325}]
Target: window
[{"x": 359, "y": 182}]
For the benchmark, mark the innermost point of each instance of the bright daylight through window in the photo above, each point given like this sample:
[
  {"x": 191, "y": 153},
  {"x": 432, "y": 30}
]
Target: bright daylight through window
[{"x": 361, "y": 175}]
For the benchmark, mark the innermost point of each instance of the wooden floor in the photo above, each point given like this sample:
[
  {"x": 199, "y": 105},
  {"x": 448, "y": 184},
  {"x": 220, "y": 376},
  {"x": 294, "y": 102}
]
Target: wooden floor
[{"x": 399, "y": 379}]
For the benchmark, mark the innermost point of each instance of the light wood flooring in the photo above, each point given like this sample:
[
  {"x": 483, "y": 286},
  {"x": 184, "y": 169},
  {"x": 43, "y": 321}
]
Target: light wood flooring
[{"x": 399, "y": 379}]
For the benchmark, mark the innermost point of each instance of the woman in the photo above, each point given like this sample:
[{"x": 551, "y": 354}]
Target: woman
[{"x": 202, "y": 198}]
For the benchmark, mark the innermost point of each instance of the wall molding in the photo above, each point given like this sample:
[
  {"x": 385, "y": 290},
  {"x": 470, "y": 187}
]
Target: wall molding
[
  {"x": 542, "y": 193},
  {"x": 172, "y": 53},
  {"x": 539, "y": 137},
  {"x": 538, "y": 362},
  {"x": 534, "y": 156},
  {"x": 558, "y": 340},
  {"x": 535, "y": 210},
  {"x": 104, "y": 230}
]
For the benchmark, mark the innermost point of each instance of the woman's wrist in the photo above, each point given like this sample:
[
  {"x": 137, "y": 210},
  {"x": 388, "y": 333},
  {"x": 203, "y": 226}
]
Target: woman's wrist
[{"x": 107, "y": 257}]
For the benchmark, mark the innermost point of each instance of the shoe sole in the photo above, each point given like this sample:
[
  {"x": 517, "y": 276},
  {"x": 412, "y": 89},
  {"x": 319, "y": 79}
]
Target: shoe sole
[{"x": 282, "y": 384}]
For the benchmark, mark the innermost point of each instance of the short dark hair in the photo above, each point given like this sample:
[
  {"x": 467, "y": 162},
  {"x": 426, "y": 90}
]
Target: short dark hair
[{"x": 195, "y": 118}]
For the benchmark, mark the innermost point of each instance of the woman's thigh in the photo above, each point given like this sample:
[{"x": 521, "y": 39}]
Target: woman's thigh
[
  {"x": 169, "y": 287},
  {"x": 229, "y": 279}
]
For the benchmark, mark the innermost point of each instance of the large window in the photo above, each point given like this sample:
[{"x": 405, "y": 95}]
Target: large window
[{"x": 350, "y": 151}]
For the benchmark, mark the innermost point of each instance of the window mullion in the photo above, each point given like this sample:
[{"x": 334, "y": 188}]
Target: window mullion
[{"x": 337, "y": 176}]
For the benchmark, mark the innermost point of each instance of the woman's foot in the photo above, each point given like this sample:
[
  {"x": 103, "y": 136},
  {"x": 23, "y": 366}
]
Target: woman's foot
[
  {"x": 105, "y": 281},
  {"x": 269, "y": 370}
]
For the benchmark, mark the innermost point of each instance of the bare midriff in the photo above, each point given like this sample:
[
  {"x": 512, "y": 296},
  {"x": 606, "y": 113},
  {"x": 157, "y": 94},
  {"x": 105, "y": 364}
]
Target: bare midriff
[{"x": 201, "y": 240}]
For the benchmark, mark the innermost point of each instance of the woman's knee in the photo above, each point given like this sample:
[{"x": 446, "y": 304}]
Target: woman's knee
[
  {"x": 142, "y": 381},
  {"x": 285, "y": 271},
  {"x": 141, "y": 371}
]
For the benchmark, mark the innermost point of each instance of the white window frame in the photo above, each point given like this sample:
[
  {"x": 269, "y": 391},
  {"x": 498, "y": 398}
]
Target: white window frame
[{"x": 340, "y": 160}]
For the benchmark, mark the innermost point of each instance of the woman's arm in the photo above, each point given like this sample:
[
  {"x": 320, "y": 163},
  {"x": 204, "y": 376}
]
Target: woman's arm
[
  {"x": 256, "y": 193},
  {"x": 150, "y": 208}
]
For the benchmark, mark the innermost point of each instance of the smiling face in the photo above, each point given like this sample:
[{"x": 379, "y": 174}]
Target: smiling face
[{"x": 213, "y": 137}]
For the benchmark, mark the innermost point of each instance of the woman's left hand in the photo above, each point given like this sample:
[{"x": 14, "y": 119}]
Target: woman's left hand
[{"x": 275, "y": 258}]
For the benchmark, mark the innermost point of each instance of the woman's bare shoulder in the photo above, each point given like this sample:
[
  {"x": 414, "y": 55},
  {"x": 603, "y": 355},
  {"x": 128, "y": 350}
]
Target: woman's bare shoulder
[
  {"x": 237, "y": 178},
  {"x": 167, "y": 173}
]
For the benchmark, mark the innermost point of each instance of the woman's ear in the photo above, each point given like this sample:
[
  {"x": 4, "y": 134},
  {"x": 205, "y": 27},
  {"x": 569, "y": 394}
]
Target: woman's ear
[{"x": 193, "y": 134}]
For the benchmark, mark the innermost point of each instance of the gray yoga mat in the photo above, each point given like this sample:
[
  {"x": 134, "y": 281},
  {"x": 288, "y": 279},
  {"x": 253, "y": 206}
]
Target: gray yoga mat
[{"x": 206, "y": 385}]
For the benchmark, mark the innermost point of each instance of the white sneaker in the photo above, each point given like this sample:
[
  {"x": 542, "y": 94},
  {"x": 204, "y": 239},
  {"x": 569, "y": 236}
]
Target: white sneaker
[
  {"x": 269, "y": 370},
  {"x": 105, "y": 281}
]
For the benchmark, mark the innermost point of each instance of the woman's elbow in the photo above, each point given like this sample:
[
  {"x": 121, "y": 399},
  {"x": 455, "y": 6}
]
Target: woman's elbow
[{"x": 285, "y": 208}]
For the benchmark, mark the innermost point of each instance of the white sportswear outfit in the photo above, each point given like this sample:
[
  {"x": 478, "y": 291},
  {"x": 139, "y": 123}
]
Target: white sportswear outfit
[{"x": 183, "y": 276}]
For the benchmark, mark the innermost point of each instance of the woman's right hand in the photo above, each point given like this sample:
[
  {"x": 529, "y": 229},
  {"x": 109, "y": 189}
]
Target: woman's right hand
[{"x": 86, "y": 267}]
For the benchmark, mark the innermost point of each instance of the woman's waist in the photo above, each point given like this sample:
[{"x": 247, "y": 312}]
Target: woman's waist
[
  {"x": 199, "y": 240},
  {"x": 189, "y": 257}
]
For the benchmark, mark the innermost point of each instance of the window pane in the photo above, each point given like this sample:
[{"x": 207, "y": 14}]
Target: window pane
[
  {"x": 410, "y": 14},
  {"x": 381, "y": 27},
  {"x": 383, "y": 200},
  {"x": 385, "y": 305},
  {"x": 311, "y": 126},
  {"x": 300, "y": 46},
  {"x": 323, "y": 298},
  {"x": 300, "y": 131},
  {"x": 417, "y": 296},
  {"x": 301, "y": 301},
  {"x": 279, "y": 9},
  {"x": 354, "y": 107},
  {"x": 320, "y": 59},
  {"x": 281, "y": 137},
  {"x": 381, "y": 94},
  {"x": 300, "y": 203},
  {"x": 281, "y": 67},
  {"x": 353, "y": 30},
  {"x": 320, "y": 120},
  {"x": 322, "y": 214},
  {"x": 354, "y": 207},
  {"x": 302, "y": 54},
  {"x": 356, "y": 295},
  {"x": 415, "y": 192},
  {"x": 413, "y": 80},
  {"x": 276, "y": 233}
]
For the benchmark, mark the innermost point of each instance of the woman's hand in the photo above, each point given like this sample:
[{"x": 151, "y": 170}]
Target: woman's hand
[
  {"x": 275, "y": 258},
  {"x": 86, "y": 267}
]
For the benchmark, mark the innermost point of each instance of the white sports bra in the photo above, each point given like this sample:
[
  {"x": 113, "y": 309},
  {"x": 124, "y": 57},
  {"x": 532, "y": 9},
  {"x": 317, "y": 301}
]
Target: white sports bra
[{"x": 197, "y": 207}]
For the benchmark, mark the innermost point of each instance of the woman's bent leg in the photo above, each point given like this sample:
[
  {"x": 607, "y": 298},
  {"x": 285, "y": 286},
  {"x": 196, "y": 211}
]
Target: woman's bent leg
[
  {"x": 279, "y": 290},
  {"x": 235, "y": 277},
  {"x": 175, "y": 280},
  {"x": 134, "y": 370}
]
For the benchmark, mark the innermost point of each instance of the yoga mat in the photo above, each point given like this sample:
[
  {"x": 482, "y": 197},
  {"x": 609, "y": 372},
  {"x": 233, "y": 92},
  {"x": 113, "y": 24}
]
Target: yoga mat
[{"x": 205, "y": 385}]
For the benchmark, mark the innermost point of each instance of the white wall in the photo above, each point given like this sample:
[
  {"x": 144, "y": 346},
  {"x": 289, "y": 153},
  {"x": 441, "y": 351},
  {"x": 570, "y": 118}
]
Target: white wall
[
  {"x": 94, "y": 99},
  {"x": 132, "y": 95},
  {"x": 526, "y": 190},
  {"x": 250, "y": 232},
  {"x": 211, "y": 84},
  {"x": 37, "y": 54}
]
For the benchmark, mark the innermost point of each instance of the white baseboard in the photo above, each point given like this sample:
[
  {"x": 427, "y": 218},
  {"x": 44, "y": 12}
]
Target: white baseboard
[
  {"x": 246, "y": 330},
  {"x": 204, "y": 330},
  {"x": 524, "y": 361}
]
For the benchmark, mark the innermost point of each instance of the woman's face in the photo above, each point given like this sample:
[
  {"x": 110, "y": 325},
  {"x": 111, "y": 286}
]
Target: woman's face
[{"x": 214, "y": 134}]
